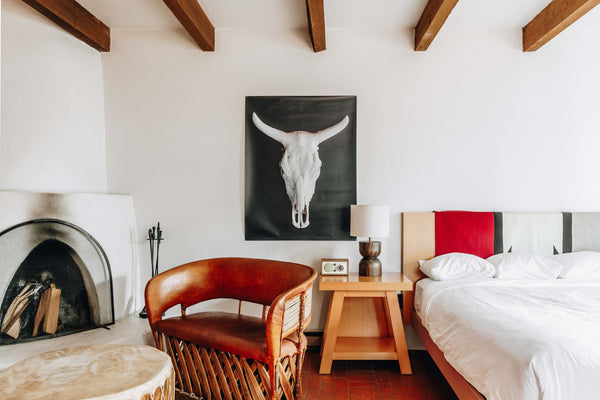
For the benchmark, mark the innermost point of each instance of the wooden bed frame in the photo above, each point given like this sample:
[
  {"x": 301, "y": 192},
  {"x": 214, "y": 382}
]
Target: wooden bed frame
[{"x": 418, "y": 243}]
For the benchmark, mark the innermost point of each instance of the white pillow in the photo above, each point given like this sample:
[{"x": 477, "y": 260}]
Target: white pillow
[
  {"x": 457, "y": 266},
  {"x": 579, "y": 265},
  {"x": 525, "y": 266}
]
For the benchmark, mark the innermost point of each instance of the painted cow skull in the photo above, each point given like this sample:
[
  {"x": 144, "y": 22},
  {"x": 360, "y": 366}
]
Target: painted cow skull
[{"x": 300, "y": 165}]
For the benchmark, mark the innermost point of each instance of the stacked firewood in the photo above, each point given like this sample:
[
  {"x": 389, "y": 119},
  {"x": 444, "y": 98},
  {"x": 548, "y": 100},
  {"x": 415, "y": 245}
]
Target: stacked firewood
[{"x": 47, "y": 310}]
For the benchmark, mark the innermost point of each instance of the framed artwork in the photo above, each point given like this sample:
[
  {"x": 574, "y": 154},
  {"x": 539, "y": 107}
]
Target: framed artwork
[
  {"x": 300, "y": 167},
  {"x": 334, "y": 266}
]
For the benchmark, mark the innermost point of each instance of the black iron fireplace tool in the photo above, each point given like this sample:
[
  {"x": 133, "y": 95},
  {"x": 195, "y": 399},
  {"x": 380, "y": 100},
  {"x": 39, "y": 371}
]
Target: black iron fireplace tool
[{"x": 154, "y": 239}]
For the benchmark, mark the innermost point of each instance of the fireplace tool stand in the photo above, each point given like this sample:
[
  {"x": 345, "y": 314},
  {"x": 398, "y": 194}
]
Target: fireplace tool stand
[{"x": 154, "y": 239}]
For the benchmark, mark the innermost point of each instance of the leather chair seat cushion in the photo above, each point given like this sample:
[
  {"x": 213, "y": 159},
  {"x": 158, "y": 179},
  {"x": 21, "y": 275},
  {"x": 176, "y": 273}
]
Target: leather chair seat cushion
[{"x": 234, "y": 333}]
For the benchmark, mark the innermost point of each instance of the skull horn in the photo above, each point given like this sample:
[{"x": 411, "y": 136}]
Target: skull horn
[
  {"x": 332, "y": 130},
  {"x": 267, "y": 130}
]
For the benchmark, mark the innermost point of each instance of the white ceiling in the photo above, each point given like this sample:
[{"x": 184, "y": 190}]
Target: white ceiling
[{"x": 339, "y": 14}]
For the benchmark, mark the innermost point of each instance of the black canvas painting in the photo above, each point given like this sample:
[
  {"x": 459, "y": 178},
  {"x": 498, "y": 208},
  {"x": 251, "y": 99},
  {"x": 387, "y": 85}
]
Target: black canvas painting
[{"x": 300, "y": 167}]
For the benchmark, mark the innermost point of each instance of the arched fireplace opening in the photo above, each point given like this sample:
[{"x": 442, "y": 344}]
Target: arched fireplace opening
[{"x": 54, "y": 256}]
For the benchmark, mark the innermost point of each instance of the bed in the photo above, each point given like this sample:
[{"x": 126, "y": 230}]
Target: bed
[{"x": 506, "y": 339}]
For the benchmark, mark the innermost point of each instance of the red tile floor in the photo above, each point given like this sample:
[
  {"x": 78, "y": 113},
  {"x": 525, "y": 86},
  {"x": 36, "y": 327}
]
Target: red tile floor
[{"x": 375, "y": 380}]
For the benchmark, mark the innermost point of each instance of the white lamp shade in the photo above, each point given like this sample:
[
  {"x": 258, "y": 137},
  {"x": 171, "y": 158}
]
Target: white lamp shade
[{"x": 369, "y": 221}]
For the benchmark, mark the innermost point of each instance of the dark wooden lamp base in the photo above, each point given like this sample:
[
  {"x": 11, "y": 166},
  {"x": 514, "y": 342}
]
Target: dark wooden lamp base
[{"x": 370, "y": 264}]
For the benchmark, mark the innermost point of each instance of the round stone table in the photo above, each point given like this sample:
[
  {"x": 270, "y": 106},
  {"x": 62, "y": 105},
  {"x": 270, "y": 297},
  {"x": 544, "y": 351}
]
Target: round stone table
[{"x": 100, "y": 372}]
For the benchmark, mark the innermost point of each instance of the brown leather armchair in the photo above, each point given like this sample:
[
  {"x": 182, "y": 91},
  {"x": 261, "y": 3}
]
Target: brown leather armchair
[{"x": 231, "y": 355}]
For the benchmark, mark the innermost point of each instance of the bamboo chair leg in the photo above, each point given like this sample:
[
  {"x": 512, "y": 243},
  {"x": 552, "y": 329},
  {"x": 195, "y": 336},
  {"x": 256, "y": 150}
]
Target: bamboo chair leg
[
  {"x": 273, "y": 379},
  {"x": 298, "y": 382}
]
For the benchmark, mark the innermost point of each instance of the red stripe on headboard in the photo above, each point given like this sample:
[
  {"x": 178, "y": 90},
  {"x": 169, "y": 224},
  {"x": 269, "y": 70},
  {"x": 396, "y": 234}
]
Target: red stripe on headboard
[{"x": 464, "y": 232}]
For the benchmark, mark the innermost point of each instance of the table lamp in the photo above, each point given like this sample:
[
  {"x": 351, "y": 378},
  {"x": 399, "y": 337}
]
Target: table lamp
[{"x": 369, "y": 221}]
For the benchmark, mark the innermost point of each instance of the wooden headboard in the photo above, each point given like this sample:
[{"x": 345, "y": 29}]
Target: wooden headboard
[
  {"x": 427, "y": 234},
  {"x": 418, "y": 243}
]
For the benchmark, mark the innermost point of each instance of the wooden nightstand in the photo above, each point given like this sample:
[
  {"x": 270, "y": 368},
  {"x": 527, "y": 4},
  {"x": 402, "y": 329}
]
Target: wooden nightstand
[{"x": 364, "y": 321}]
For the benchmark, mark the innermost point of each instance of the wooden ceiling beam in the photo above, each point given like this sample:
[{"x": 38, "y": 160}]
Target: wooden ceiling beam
[
  {"x": 75, "y": 19},
  {"x": 552, "y": 20},
  {"x": 435, "y": 14},
  {"x": 194, "y": 20},
  {"x": 316, "y": 24}
]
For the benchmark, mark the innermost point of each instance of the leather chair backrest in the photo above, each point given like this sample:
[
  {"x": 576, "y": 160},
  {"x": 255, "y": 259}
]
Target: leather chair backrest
[{"x": 247, "y": 279}]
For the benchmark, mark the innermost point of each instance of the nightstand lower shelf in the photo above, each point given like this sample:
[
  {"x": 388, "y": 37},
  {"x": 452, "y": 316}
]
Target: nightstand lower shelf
[{"x": 365, "y": 348}]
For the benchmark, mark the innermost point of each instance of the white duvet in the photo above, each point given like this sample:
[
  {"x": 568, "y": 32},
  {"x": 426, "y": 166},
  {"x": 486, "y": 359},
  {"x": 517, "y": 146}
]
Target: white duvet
[{"x": 518, "y": 339}]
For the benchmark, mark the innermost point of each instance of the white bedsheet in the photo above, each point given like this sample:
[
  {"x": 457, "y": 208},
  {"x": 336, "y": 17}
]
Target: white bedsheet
[{"x": 518, "y": 339}]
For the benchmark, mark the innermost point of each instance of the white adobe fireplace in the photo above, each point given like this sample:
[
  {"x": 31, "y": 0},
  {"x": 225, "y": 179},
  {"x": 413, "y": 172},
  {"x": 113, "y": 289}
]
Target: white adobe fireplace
[{"x": 83, "y": 244}]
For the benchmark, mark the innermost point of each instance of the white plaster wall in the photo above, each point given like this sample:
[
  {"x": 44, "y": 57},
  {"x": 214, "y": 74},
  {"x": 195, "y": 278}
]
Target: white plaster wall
[
  {"x": 52, "y": 107},
  {"x": 474, "y": 123}
]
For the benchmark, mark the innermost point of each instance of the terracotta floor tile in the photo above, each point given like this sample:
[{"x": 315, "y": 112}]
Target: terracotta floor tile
[
  {"x": 363, "y": 394},
  {"x": 327, "y": 389},
  {"x": 342, "y": 396},
  {"x": 363, "y": 384},
  {"x": 375, "y": 380},
  {"x": 382, "y": 378},
  {"x": 384, "y": 389},
  {"x": 311, "y": 385}
]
